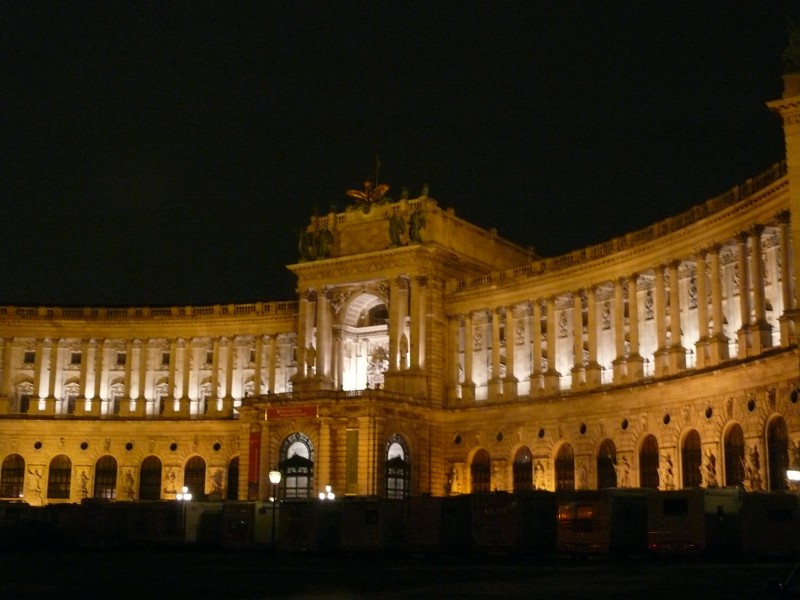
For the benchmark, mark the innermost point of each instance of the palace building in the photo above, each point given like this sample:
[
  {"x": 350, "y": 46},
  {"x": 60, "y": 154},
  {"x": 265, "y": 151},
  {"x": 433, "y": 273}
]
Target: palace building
[{"x": 427, "y": 356}]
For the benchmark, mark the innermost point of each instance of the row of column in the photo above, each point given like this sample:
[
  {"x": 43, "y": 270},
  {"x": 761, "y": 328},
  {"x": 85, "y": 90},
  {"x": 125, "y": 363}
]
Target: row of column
[{"x": 669, "y": 355}]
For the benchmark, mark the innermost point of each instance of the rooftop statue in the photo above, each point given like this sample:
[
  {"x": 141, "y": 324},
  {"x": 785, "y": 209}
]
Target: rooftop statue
[{"x": 372, "y": 194}]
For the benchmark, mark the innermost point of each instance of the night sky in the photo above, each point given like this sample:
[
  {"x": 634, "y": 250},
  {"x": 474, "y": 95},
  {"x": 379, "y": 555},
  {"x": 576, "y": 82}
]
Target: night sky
[{"x": 168, "y": 152}]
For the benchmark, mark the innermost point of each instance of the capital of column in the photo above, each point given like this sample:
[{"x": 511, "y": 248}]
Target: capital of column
[
  {"x": 784, "y": 217},
  {"x": 756, "y": 230},
  {"x": 742, "y": 236}
]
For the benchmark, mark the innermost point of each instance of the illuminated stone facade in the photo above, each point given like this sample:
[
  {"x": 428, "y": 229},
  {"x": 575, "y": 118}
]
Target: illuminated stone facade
[{"x": 425, "y": 355}]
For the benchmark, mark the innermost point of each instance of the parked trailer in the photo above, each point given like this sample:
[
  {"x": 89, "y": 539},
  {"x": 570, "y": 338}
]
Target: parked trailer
[
  {"x": 369, "y": 524},
  {"x": 612, "y": 520},
  {"x": 770, "y": 524},
  {"x": 248, "y": 525},
  {"x": 676, "y": 521},
  {"x": 309, "y": 526},
  {"x": 514, "y": 523},
  {"x": 723, "y": 520}
]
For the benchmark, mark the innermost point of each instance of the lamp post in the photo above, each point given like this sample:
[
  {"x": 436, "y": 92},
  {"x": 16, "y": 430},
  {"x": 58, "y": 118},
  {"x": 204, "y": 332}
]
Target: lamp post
[
  {"x": 183, "y": 497},
  {"x": 327, "y": 494},
  {"x": 275, "y": 479}
]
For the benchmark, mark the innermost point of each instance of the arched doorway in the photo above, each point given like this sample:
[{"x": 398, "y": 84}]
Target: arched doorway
[
  {"x": 565, "y": 468},
  {"x": 297, "y": 466},
  {"x": 648, "y": 463},
  {"x": 105, "y": 477},
  {"x": 194, "y": 477},
  {"x": 778, "y": 454},
  {"x": 523, "y": 470},
  {"x": 59, "y": 477},
  {"x": 734, "y": 455},
  {"x": 606, "y": 459},
  {"x": 481, "y": 472},
  {"x": 233, "y": 479},
  {"x": 150, "y": 479},
  {"x": 691, "y": 460},
  {"x": 12, "y": 476},
  {"x": 398, "y": 468}
]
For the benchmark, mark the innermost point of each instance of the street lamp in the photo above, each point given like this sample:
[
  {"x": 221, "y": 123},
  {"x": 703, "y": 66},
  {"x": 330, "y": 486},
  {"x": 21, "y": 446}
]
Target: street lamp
[
  {"x": 275, "y": 479},
  {"x": 327, "y": 494},
  {"x": 183, "y": 497}
]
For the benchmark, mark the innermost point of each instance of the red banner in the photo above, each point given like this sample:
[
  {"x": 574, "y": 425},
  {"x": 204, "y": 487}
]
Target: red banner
[{"x": 291, "y": 412}]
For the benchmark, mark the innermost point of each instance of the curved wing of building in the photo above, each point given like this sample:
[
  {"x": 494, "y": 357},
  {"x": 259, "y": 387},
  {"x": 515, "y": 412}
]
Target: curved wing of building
[{"x": 425, "y": 355}]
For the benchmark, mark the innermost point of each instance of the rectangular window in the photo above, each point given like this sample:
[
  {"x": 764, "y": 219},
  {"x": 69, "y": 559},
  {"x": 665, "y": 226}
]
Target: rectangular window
[
  {"x": 29, "y": 357},
  {"x": 252, "y": 356},
  {"x": 209, "y": 358},
  {"x": 75, "y": 358},
  {"x": 165, "y": 358},
  {"x": 122, "y": 357}
]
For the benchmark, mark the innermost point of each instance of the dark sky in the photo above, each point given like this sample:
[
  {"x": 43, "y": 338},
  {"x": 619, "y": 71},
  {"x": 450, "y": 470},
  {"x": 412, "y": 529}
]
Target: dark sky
[{"x": 168, "y": 152}]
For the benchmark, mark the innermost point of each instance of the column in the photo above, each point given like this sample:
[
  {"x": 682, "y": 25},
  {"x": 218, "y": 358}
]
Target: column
[
  {"x": 593, "y": 369},
  {"x": 50, "y": 401},
  {"x": 323, "y": 367},
  {"x": 468, "y": 385},
  {"x": 37, "y": 375},
  {"x": 743, "y": 335},
  {"x": 143, "y": 359},
  {"x": 760, "y": 330},
  {"x": 536, "y": 349},
  {"x": 787, "y": 324},
  {"x": 186, "y": 367},
  {"x": 125, "y": 409},
  {"x": 660, "y": 311},
  {"x": 84, "y": 370},
  {"x": 214, "y": 396},
  {"x": 701, "y": 345},
  {"x": 257, "y": 365},
  {"x": 495, "y": 381},
  {"x": 510, "y": 380},
  {"x": 5, "y": 392},
  {"x": 273, "y": 352},
  {"x": 718, "y": 341},
  {"x": 419, "y": 300},
  {"x": 677, "y": 353},
  {"x": 551, "y": 376},
  {"x": 634, "y": 361},
  {"x": 577, "y": 340},
  {"x": 397, "y": 318},
  {"x": 618, "y": 363},
  {"x": 453, "y": 379},
  {"x": 338, "y": 359}
]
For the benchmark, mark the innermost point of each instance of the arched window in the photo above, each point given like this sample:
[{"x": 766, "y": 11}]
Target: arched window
[
  {"x": 12, "y": 476},
  {"x": 398, "y": 468},
  {"x": 105, "y": 478},
  {"x": 734, "y": 455},
  {"x": 481, "y": 471},
  {"x": 150, "y": 479},
  {"x": 606, "y": 459},
  {"x": 648, "y": 463},
  {"x": 233, "y": 479},
  {"x": 59, "y": 477},
  {"x": 691, "y": 460},
  {"x": 565, "y": 468},
  {"x": 523, "y": 470},
  {"x": 778, "y": 452},
  {"x": 297, "y": 466},
  {"x": 194, "y": 477}
]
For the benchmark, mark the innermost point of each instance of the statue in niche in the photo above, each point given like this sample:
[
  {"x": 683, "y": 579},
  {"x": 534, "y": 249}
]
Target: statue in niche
[
  {"x": 396, "y": 228},
  {"x": 648, "y": 305},
  {"x": 403, "y": 350},
  {"x": 128, "y": 490},
  {"x": 666, "y": 474},
  {"x": 752, "y": 469},
  {"x": 709, "y": 470},
  {"x": 416, "y": 223},
  {"x": 324, "y": 242},
  {"x": 311, "y": 359},
  {"x": 83, "y": 479},
  {"x": 170, "y": 480},
  {"x": 539, "y": 476},
  {"x": 307, "y": 245}
]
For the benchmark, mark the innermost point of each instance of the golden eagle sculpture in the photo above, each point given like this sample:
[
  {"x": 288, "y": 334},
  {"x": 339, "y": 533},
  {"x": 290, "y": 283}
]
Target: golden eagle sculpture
[{"x": 370, "y": 195}]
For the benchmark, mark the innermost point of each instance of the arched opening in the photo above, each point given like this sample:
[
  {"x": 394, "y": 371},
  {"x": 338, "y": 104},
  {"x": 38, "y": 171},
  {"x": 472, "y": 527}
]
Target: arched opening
[
  {"x": 105, "y": 478},
  {"x": 481, "y": 472},
  {"x": 734, "y": 455},
  {"x": 398, "y": 468},
  {"x": 59, "y": 477},
  {"x": 297, "y": 466},
  {"x": 150, "y": 479},
  {"x": 194, "y": 477},
  {"x": 565, "y": 468},
  {"x": 778, "y": 454},
  {"x": 233, "y": 479},
  {"x": 648, "y": 463},
  {"x": 606, "y": 460},
  {"x": 12, "y": 476},
  {"x": 691, "y": 460},
  {"x": 523, "y": 470}
]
